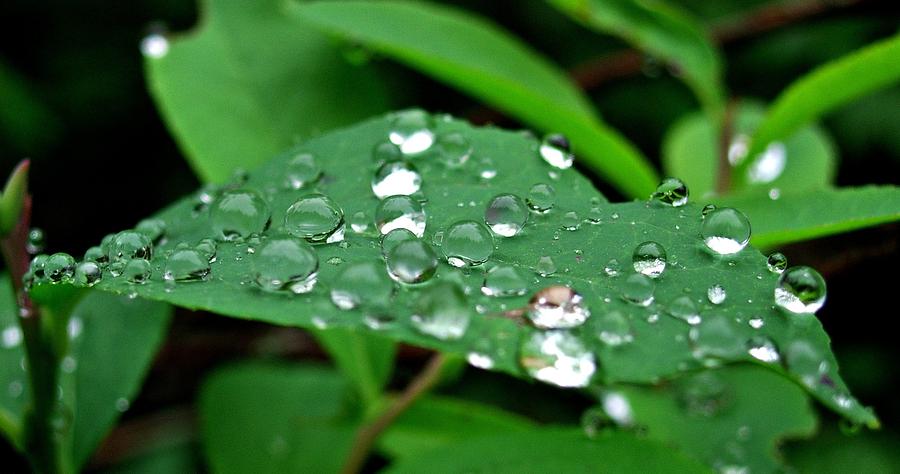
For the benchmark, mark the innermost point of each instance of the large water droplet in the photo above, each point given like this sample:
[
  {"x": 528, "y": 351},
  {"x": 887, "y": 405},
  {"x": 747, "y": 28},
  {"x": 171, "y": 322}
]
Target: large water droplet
[
  {"x": 506, "y": 215},
  {"x": 716, "y": 294},
  {"x": 237, "y": 214},
  {"x": 638, "y": 289},
  {"x": 396, "y": 178},
  {"x": 776, "y": 262},
  {"x": 361, "y": 284},
  {"x": 725, "y": 231},
  {"x": 649, "y": 258},
  {"x": 87, "y": 273},
  {"x": 467, "y": 243},
  {"x": 671, "y": 191},
  {"x": 59, "y": 268},
  {"x": 613, "y": 328},
  {"x": 684, "y": 309},
  {"x": 554, "y": 150},
  {"x": 557, "y": 357},
  {"x": 316, "y": 218},
  {"x": 412, "y": 131},
  {"x": 800, "y": 290},
  {"x": 541, "y": 198},
  {"x": 285, "y": 264},
  {"x": 557, "y": 307},
  {"x": 301, "y": 170},
  {"x": 394, "y": 238},
  {"x": 454, "y": 149},
  {"x": 137, "y": 270},
  {"x": 129, "y": 244},
  {"x": 504, "y": 280},
  {"x": 442, "y": 312},
  {"x": 400, "y": 212},
  {"x": 186, "y": 265},
  {"x": 412, "y": 261}
]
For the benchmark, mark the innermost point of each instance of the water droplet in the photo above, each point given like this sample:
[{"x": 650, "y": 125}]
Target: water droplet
[
  {"x": 541, "y": 198},
  {"x": 612, "y": 268},
  {"x": 359, "y": 222},
  {"x": 570, "y": 221},
  {"x": 186, "y": 265},
  {"x": 122, "y": 404},
  {"x": 707, "y": 209},
  {"x": 671, "y": 191},
  {"x": 36, "y": 242},
  {"x": 137, "y": 270},
  {"x": 316, "y": 218},
  {"x": 128, "y": 245},
  {"x": 557, "y": 307},
  {"x": 442, "y": 312},
  {"x": 361, "y": 284},
  {"x": 716, "y": 294},
  {"x": 618, "y": 408},
  {"x": 545, "y": 266},
  {"x": 467, "y": 243},
  {"x": 154, "y": 46},
  {"x": 95, "y": 254},
  {"x": 558, "y": 358},
  {"x": 756, "y": 323},
  {"x": 400, "y": 212},
  {"x": 613, "y": 328},
  {"x": 769, "y": 165},
  {"x": 504, "y": 280},
  {"x": 554, "y": 150},
  {"x": 800, "y": 290},
  {"x": 237, "y": 214},
  {"x": 638, "y": 289},
  {"x": 301, "y": 170},
  {"x": 87, "y": 273},
  {"x": 154, "y": 229},
  {"x": 776, "y": 262},
  {"x": 715, "y": 337},
  {"x": 59, "y": 268},
  {"x": 774, "y": 194},
  {"x": 454, "y": 149},
  {"x": 479, "y": 360},
  {"x": 394, "y": 238},
  {"x": 12, "y": 336},
  {"x": 207, "y": 247},
  {"x": 506, "y": 215},
  {"x": 412, "y": 261},
  {"x": 412, "y": 131},
  {"x": 684, "y": 309},
  {"x": 396, "y": 178},
  {"x": 285, "y": 264},
  {"x": 385, "y": 152},
  {"x": 725, "y": 231},
  {"x": 763, "y": 349},
  {"x": 649, "y": 258}
]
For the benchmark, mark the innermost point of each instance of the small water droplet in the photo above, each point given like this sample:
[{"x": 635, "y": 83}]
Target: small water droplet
[
  {"x": 683, "y": 308},
  {"x": 707, "y": 209},
  {"x": 612, "y": 268},
  {"x": 506, "y": 215},
  {"x": 725, "y": 231},
  {"x": 557, "y": 307},
  {"x": 776, "y": 262},
  {"x": 671, "y": 191},
  {"x": 207, "y": 248},
  {"x": 756, "y": 323},
  {"x": 774, "y": 194},
  {"x": 59, "y": 268},
  {"x": 545, "y": 266},
  {"x": 413, "y": 132},
  {"x": 442, "y": 312},
  {"x": 557, "y": 357},
  {"x": 316, "y": 218},
  {"x": 361, "y": 284},
  {"x": 479, "y": 360},
  {"x": 154, "y": 229},
  {"x": 237, "y": 214},
  {"x": 385, "y": 152},
  {"x": 154, "y": 46},
  {"x": 128, "y": 245},
  {"x": 301, "y": 170},
  {"x": 638, "y": 289},
  {"x": 618, "y": 408},
  {"x": 137, "y": 270},
  {"x": 504, "y": 280},
  {"x": 394, "y": 238},
  {"x": 804, "y": 360},
  {"x": 541, "y": 198},
  {"x": 800, "y": 290},
  {"x": 613, "y": 328},
  {"x": 716, "y": 294},
  {"x": 570, "y": 221},
  {"x": 359, "y": 222},
  {"x": 186, "y": 265},
  {"x": 36, "y": 242},
  {"x": 454, "y": 149},
  {"x": 769, "y": 165},
  {"x": 649, "y": 258},
  {"x": 122, "y": 404},
  {"x": 763, "y": 349},
  {"x": 285, "y": 264},
  {"x": 400, "y": 212},
  {"x": 412, "y": 261},
  {"x": 87, "y": 273},
  {"x": 12, "y": 336},
  {"x": 467, "y": 243},
  {"x": 396, "y": 178},
  {"x": 554, "y": 150}
]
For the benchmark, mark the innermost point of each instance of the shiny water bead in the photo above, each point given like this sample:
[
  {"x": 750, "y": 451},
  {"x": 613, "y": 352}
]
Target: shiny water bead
[
  {"x": 301, "y": 170},
  {"x": 613, "y": 328},
  {"x": 129, "y": 244},
  {"x": 555, "y": 150},
  {"x": 800, "y": 290},
  {"x": 95, "y": 254},
  {"x": 442, "y": 312},
  {"x": 386, "y": 151},
  {"x": 316, "y": 218},
  {"x": 683, "y": 308},
  {"x": 638, "y": 289},
  {"x": 359, "y": 222},
  {"x": 649, "y": 258},
  {"x": 707, "y": 209},
  {"x": 394, "y": 238},
  {"x": 361, "y": 284},
  {"x": 239, "y": 213},
  {"x": 545, "y": 266},
  {"x": 208, "y": 248},
  {"x": 612, "y": 268},
  {"x": 396, "y": 178},
  {"x": 454, "y": 149},
  {"x": 186, "y": 265},
  {"x": 768, "y": 165},
  {"x": 725, "y": 231},
  {"x": 87, "y": 274},
  {"x": 467, "y": 243},
  {"x": 504, "y": 280},
  {"x": 541, "y": 198},
  {"x": 59, "y": 268},
  {"x": 506, "y": 215},
  {"x": 716, "y": 294},
  {"x": 557, "y": 357},
  {"x": 137, "y": 270},
  {"x": 557, "y": 307},
  {"x": 412, "y": 261},
  {"x": 412, "y": 131},
  {"x": 763, "y": 349},
  {"x": 776, "y": 262},
  {"x": 570, "y": 221},
  {"x": 285, "y": 264},
  {"x": 716, "y": 337},
  {"x": 400, "y": 212},
  {"x": 154, "y": 229},
  {"x": 36, "y": 241},
  {"x": 671, "y": 191}
]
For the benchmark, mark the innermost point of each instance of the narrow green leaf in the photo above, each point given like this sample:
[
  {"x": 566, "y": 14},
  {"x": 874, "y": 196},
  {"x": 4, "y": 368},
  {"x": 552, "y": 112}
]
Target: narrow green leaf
[
  {"x": 733, "y": 417},
  {"x": 250, "y": 82},
  {"x": 14, "y": 399},
  {"x": 834, "y": 452},
  {"x": 550, "y": 450},
  {"x": 662, "y": 30},
  {"x": 27, "y": 124},
  {"x": 12, "y": 197},
  {"x": 829, "y": 87},
  {"x": 803, "y": 216},
  {"x": 365, "y": 359},
  {"x": 481, "y": 59}
]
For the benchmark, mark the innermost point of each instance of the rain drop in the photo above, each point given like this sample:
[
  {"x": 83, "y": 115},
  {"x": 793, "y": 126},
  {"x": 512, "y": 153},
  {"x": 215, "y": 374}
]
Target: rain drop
[
  {"x": 638, "y": 289},
  {"x": 649, "y": 258},
  {"x": 394, "y": 238},
  {"x": 361, "y": 284},
  {"x": 154, "y": 46},
  {"x": 412, "y": 131},
  {"x": 186, "y": 265},
  {"x": 558, "y": 358},
  {"x": 129, "y": 244},
  {"x": 301, "y": 170},
  {"x": 541, "y": 198},
  {"x": 570, "y": 221},
  {"x": 557, "y": 307},
  {"x": 237, "y": 214},
  {"x": 506, "y": 215},
  {"x": 36, "y": 242},
  {"x": 454, "y": 149},
  {"x": 385, "y": 152},
  {"x": 671, "y": 191},
  {"x": 545, "y": 266},
  {"x": 763, "y": 349},
  {"x": 467, "y": 243},
  {"x": 716, "y": 294},
  {"x": 412, "y": 261},
  {"x": 715, "y": 337},
  {"x": 776, "y": 262},
  {"x": 683, "y": 308},
  {"x": 359, "y": 222},
  {"x": 87, "y": 273},
  {"x": 400, "y": 212},
  {"x": 59, "y": 268},
  {"x": 554, "y": 150},
  {"x": 769, "y": 165},
  {"x": 396, "y": 178},
  {"x": 316, "y": 218},
  {"x": 613, "y": 328},
  {"x": 285, "y": 264},
  {"x": 442, "y": 312},
  {"x": 504, "y": 280},
  {"x": 800, "y": 290},
  {"x": 137, "y": 270},
  {"x": 612, "y": 268},
  {"x": 725, "y": 231}
]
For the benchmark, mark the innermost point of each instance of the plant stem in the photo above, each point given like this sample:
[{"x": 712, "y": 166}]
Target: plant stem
[{"x": 368, "y": 434}]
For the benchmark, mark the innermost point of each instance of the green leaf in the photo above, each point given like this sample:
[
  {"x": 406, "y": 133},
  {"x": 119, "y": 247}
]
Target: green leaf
[
  {"x": 435, "y": 422},
  {"x": 802, "y": 216},
  {"x": 479, "y": 58},
  {"x": 833, "y": 452},
  {"x": 550, "y": 450},
  {"x": 177, "y": 459},
  {"x": 735, "y": 416},
  {"x": 364, "y": 358},
  {"x": 272, "y": 418},
  {"x": 14, "y": 399},
  {"x": 27, "y": 124},
  {"x": 829, "y": 87},
  {"x": 662, "y": 30},
  {"x": 250, "y": 82},
  {"x": 12, "y": 198},
  {"x": 660, "y": 347},
  {"x": 691, "y": 152}
]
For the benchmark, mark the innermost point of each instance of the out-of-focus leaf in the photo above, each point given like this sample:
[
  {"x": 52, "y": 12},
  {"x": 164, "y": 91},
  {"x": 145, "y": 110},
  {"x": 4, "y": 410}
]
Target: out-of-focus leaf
[
  {"x": 832, "y": 452},
  {"x": 12, "y": 197},
  {"x": 14, "y": 397},
  {"x": 178, "y": 459},
  {"x": 26, "y": 123},
  {"x": 366, "y": 359}
]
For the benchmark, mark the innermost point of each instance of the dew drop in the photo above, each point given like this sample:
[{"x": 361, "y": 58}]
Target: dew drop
[
  {"x": 285, "y": 264},
  {"x": 454, "y": 149},
  {"x": 59, "y": 268},
  {"x": 612, "y": 268},
  {"x": 800, "y": 290},
  {"x": 412, "y": 261},
  {"x": 129, "y": 244},
  {"x": 394, "y": 238},
  {"x": 649, "y": 258},
  {"x": 316, "y": 218},
  {"x": 36, "y": 241},
  {"x": 154, "y": 46},
  {"x": 413, "y": 132},
  {"x": 776, "y": 262},
  {"x": 545, "y": 266},
  {"x": 756, "y": 323},
  {"x": 570, "y": 221},
  {"x": 541, "y": 198},
  {"x": 769, "y": 165},
  {"x": 442, "y": 312},
  {"x": 87, "y": 273},
  {"x": 804, "y": 360},
  {"x": 618, "y": 408},
  {"x": 763, "y": 349},
  {"x": 725, "y": 231},
  {"x": 557, "y": 357},
  {"x": 504, "y": 280},
  {"x": 683, "y": 308},
  {"x": 555, "y": 150},
  {"x": 671, "y": 191},
  {"x": 467, "y": 243},
  {"x": 506, "y": 215},
  {"x": 361, "y": 284},
  {"x": 186, "y": 265},
  {"x": 301, "y": 170},
  {"x": 95, "y": 254},
  {"x": 716, "y": 294},
  {"x": 154, "y": 229},
  {"x": 207, "y": 248},
  {"x": 638, "y": 289},
  {"x": 396, "y": 178},
  {"x": 137, "y": 270},
  {"x": 359, "y": 222},
  {"x": 479, "y": 360},
  {"x": 557, "y": 307},
  {"x": 12, "y": 336},
  {"x": 400, "y": 212},
  {"x": 707, "y": 209},
  {"x": 237, "y": 214},
  {"x": 385, "y": 152},
  {"x": 613, "y": 328}
]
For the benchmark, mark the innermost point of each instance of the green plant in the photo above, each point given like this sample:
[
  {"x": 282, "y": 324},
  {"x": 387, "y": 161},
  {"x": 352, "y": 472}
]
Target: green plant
[{"x": 694, "y": 349}]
